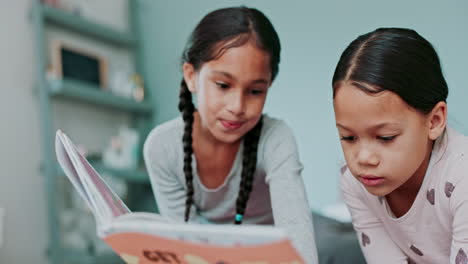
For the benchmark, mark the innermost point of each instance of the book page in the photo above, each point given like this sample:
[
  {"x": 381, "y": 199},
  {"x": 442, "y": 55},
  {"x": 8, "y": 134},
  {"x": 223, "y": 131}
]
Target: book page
[
  {"x": 97, "y": 204},
  {"x": 144, "y": 238},
  {"x": 116, "y": 205},
  {"x": 138, "y": 248},
  {"x": 109, "y": 202},
  {"x": 67, "y": 166},
  {"x": 101, "y": 199},
  {"x": 221, "y": 235}
]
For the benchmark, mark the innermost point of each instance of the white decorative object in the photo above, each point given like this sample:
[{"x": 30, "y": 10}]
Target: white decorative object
[
  {"x": 75, "y": 239},
  {"x": 120, "y": 81},
  {"x": 138, "y": 89},
  {"x": 77, "y": 225},
  {"x": 126, "y": 83},
  {"x": 122, "y": 153}
]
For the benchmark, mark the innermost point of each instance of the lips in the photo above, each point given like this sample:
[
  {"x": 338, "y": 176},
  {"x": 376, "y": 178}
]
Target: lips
[
  {"x": 231, "y": 125},
  {"x": 371, "y": 180}
]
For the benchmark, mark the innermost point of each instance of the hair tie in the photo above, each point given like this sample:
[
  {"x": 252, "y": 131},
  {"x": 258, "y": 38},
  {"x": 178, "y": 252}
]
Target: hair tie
[{"x": 239, "y": 217}]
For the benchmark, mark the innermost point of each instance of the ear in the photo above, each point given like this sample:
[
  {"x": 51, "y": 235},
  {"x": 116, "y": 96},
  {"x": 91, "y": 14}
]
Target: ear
[
  {"x": 190, "y": 76},
  {"x": 437, "y": 120}
]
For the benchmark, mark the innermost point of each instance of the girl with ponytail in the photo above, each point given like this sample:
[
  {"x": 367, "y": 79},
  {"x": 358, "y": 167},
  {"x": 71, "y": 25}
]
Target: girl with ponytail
[
  {"x": 406, "y": 178},
  {"x": 224, "y": 161}
]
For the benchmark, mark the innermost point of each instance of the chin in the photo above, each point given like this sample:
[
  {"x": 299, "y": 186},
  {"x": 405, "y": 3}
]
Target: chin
[
  {"x": 228, "y": 138},
  {"x": 377, "y": 191}
]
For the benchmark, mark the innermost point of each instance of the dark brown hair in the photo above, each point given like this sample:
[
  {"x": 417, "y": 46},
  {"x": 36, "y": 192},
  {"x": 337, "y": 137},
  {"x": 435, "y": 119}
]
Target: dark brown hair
[
  {"x": 394, "y": 59},
  {"x": 218, "y": 31}
]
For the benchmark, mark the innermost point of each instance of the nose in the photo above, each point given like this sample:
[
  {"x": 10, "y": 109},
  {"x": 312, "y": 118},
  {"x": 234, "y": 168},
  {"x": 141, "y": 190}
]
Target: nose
[
  {"x": 236, "y": 103},
  {"x": 367, "y": 156}
]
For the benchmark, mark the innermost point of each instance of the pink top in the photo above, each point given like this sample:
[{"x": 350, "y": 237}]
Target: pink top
[{"x": 435, "y": 229}]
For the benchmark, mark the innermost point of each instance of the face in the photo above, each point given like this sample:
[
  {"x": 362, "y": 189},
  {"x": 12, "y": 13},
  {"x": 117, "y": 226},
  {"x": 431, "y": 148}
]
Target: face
[
  {"x": 386, "y": 143},
  {"x": 230, "y": 91}
]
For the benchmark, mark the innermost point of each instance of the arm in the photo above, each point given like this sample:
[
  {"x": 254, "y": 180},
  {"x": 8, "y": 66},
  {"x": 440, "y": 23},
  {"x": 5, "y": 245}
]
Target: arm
[
  {"x": 456, "y": 191},
  {"x": 374, "y": 240},
  {"x": 291, "y": 210},
  {"x": 162, "y": 164}
]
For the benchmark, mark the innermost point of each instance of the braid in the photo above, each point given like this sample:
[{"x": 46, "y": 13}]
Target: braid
[
  {"x": 249, "y": 163},
  {"x": 187, "y": 108},
  {"x": 218, "y": 31}
]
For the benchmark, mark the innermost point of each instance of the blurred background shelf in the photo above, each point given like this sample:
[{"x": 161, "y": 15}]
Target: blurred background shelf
[
  {"x": 82, "y": 91},
  {"x": 133, "y": 176},
  {"x": 51, "y": 24},
  {"x": 83, "y": 257},
  {"x": 84, "y": 26}
]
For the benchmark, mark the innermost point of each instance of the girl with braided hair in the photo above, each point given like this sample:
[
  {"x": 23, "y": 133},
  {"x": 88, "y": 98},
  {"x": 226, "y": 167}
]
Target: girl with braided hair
[{"x": 224, "y": 161}]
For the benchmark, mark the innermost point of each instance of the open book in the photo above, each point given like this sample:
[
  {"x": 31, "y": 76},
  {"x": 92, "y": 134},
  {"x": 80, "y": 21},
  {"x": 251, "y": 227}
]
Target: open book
[{"x": 148, "y": 238}]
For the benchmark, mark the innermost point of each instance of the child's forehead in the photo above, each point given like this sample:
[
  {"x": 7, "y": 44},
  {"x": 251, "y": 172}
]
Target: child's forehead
[
  {"x": 246, "y": 61},
  {"x": 219, "y": 48},
  {"x": 354, "y": 93},
  {"x": 352, "y": 102}
]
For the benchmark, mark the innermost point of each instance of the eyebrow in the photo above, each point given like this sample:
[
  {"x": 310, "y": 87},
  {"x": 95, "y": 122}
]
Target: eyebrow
[
  {"x": 378, "y": 126},
  {"x": 230, "y": 76}
]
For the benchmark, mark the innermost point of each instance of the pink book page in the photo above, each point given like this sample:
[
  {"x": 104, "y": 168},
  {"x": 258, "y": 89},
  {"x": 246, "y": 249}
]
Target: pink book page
[
  {"x": 112, "y": 201},
  {"x": 137, "y": 248},
  {"x": 66, "y": 163},
  {"x": 89, "y": 175}
]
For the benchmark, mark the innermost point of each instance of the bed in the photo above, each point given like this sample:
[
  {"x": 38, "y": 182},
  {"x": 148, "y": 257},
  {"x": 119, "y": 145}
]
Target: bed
[{"x": 336, "y": 242}]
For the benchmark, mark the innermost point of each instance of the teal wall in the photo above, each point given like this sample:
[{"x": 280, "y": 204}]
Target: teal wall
[{"x": 313, "y": 35}]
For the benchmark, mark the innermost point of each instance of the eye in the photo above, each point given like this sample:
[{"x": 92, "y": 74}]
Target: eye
[
  {"x": 256, "y": 91},
  {"x": 222, "y": 85},
  {"x": 348, "y": 138},
  {"x": 386, "y": 139}
]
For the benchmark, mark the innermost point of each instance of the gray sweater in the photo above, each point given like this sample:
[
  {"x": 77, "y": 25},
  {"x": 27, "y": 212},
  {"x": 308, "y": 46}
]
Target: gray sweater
[{"x": 278, "y": 196}]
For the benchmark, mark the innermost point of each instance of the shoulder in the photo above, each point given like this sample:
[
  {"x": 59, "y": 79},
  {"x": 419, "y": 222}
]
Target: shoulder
[
  {"x": 348, "y": 182},
  {"x": 452, "y": 156},
  {"x": 276, "y": 138},
  {"x": 354, "y": 192},
  {"x": 277, "y": 150},
  {"x": 167, "y": 128},
  {"x": 451, "y": 167},
  {"x": 274, "y": 128},
  {"x": 164, "y": 136}
]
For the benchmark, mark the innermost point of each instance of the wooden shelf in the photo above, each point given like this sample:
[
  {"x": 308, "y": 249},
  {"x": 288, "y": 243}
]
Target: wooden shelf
[
  {"x": 83, "y": 26},
  {"x": 82, "y": 91},
  {"x": 43, "y": 17}
]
